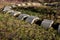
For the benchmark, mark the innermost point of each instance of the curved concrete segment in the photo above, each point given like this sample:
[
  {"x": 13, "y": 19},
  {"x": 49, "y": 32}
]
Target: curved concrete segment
[
  {"x": 29, "y": 4},
  {"x": 10, "y": 11},
  {"x": 13, "y": 6},
  {"x": 36, "y": 4},
  {"x": 47, "y": 23},
  {"x": 15, "y": 13},
  {"x": 59, "y": 29},
  {"x": 23, "y": 4},
  {"x": 6, "y": 8},
  {"x": 19, "y": 5},
  {"x": 32, "y": 19},
  {"x": 23, "y": 16},
  {"x": 52, "y": 4}
]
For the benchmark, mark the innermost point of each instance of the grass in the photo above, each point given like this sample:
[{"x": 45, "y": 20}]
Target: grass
[
  {"x": 13, "y": 29},
  {"x": 42, "y": 13}
]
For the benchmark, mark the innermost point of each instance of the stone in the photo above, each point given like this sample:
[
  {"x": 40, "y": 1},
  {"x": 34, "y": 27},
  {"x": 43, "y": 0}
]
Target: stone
[
  {"x": 32, "y": 19},
  {"x": 15, "y": 13},
  {"x": 47, "y": 23},
  {"x": 6, "y": 8},
  {"x": 23, "y": 16}
]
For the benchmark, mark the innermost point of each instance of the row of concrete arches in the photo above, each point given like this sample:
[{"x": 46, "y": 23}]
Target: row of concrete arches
[{"x": 32, "y": 19}]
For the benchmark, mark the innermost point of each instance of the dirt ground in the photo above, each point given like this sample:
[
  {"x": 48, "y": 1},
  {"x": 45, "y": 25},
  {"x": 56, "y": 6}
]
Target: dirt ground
[{"x": 2, "y": 4}]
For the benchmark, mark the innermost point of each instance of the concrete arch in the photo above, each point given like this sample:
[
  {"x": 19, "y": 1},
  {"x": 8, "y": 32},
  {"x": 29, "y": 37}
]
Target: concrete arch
[
  {"x": 15, "y": 13},
  {"x": 32, "y": 19},
  {"x": 47, "y": 23},
  {"x": 22, "y": 16}
]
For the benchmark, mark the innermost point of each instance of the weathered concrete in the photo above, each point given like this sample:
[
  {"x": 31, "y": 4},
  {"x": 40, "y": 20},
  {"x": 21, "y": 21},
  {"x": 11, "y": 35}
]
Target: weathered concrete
[
  {"x": 23, "y": 16},
  {"x": 36, "y": 4},
  {"x": 52, "y": 4},
  {"x": 15, "y": 13},
  {"x": 29, "y": 4},
  {"x": 19, "y": 5},
  {"x": 6, "y": 8},
  {"x": 23, "y": 4},
  {"x": 59, "y": 29},
  {"x": 47, "y": 23},
  {"x": 32, "y": 19},
  {"x": 10, "y": 11},
  {"x": 14, "y": 6}
]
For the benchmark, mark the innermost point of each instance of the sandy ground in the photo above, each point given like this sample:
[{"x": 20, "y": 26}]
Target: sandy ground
[{"x": 2, "y": 4}]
